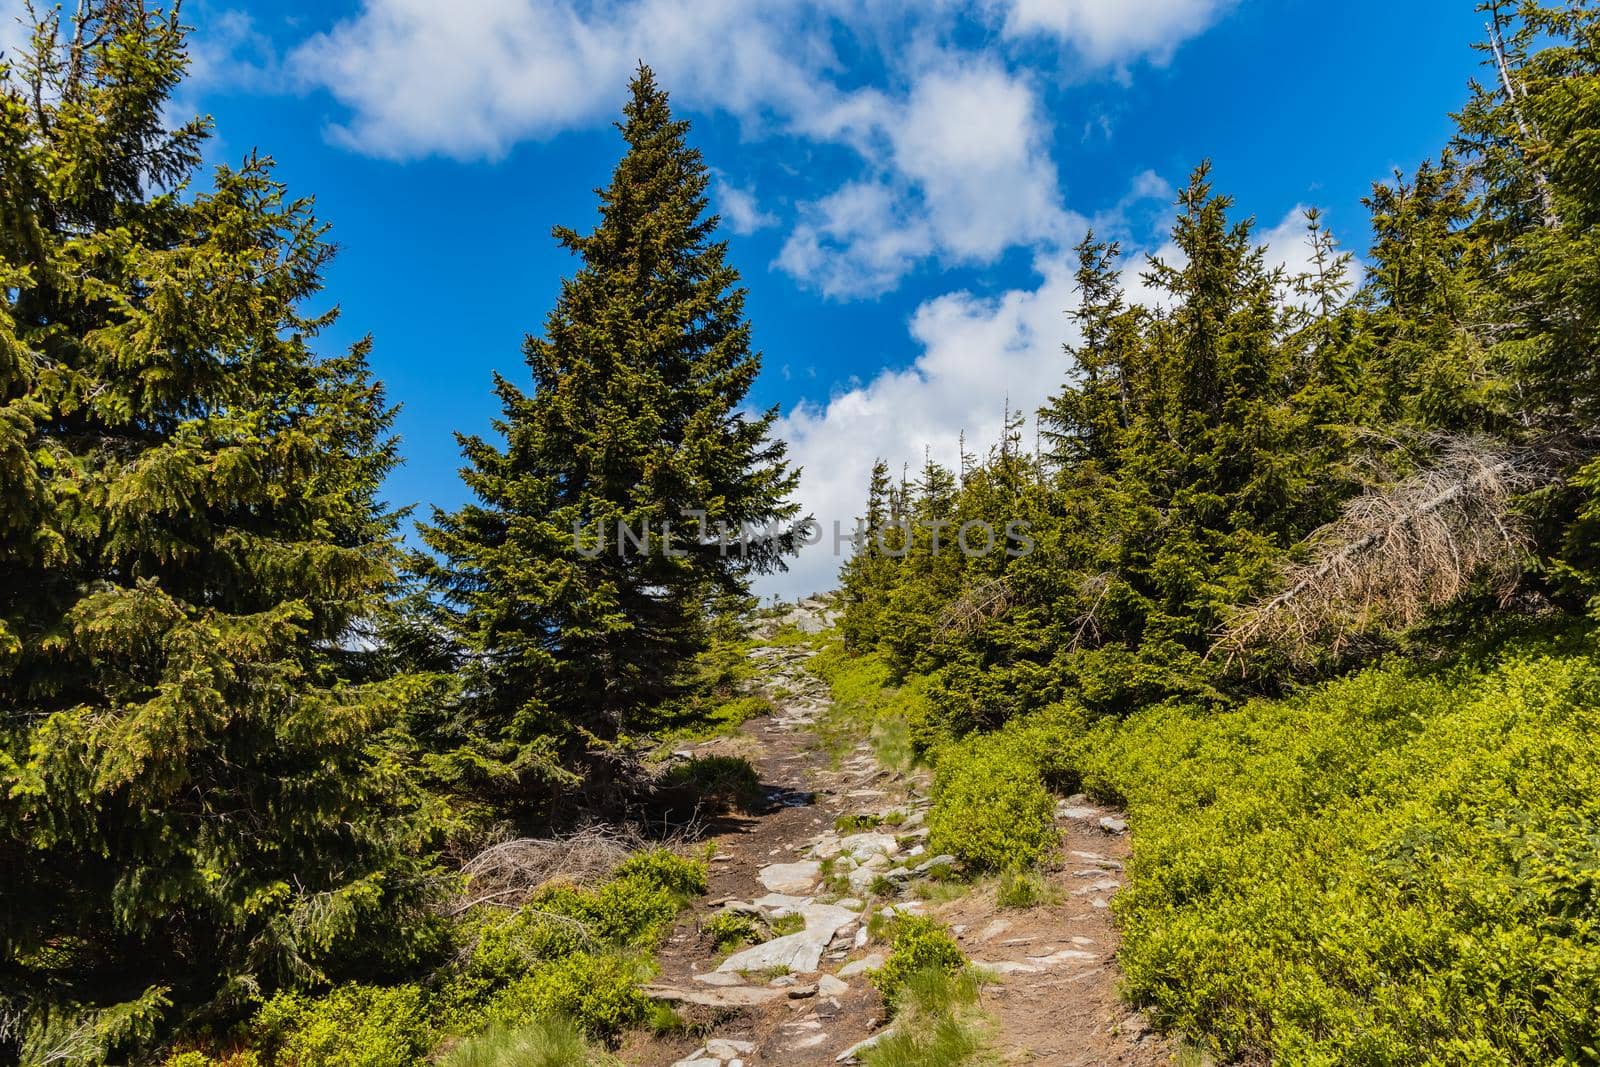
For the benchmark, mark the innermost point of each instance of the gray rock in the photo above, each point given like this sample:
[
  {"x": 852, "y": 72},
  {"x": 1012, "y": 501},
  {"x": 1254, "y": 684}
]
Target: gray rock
[
  {"x": 718, "y": 978},
  {"x": 727, "y": 1048},
  {"x": 938, "y": 861},
  {"x": 800, "y": 952},
  {"x": 869, "y": 843},
  {"x": 861, "y": 966},
  {"x": 790, "y": 878},
  {"x": 777, "y": 905},
  {"x": 1064, "y": 955},
  {"x": 849, "y": 1055},
  {"x": 1113, "y": 825},
  {"x": 743, "y": 996},
  {"x": 829, "y": 986},
  {"x": 1005, "y": 967}
]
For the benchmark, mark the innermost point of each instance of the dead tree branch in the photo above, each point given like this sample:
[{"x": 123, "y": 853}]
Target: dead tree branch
[{"x": 1399, "y": 552}]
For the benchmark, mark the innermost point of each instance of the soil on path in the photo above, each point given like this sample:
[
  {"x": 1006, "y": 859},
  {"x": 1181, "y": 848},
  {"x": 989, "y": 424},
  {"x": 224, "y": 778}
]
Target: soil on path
[{"x": 803, "y": 999}]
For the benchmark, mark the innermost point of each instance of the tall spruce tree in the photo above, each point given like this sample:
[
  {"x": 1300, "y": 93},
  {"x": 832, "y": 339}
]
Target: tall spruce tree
[
  {"x": 195, "y": 804},
  {"x": 635, "y": 423}
]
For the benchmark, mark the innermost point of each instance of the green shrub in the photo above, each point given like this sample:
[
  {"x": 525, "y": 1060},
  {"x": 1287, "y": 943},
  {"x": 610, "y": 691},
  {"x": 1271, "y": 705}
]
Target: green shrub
[
  {"x": 726, "y": 781},
  {"x": 350, "y": 1026},
  {"x": 600, "y": 994},
  {"x": 727, "y": 930},
  {"x": 553, "y": 1042},
  {"x": 633, "y": 909},
  {"x": 731, "y": 714},
  {"x": 1394, "y": 868},
  {"x": 193, "y": 1058},
  {"x": 866, "y": 700},
  {"x": 509, "y": 944},
  {"x": 665, "y": 870},
  {"x": 990, "y": 807},
  {"x": 917, "y": 944}
]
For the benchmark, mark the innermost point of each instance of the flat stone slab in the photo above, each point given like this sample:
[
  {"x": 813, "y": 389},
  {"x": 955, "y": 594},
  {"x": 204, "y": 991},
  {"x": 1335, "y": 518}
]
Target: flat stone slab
[
  {"x": 1005, "y": 967},
  {"x": 778, "y": 904},
  {"x": 1066, "y": 955},
  {"x": 727, "y": 1048},
  {"x": 800, "y": 952},
  {"x": 717, "y": 978},
  {"x": 790, "y": 878},
  {"x": 861, "y": 966},
  {"x": 742, "y": 996}
]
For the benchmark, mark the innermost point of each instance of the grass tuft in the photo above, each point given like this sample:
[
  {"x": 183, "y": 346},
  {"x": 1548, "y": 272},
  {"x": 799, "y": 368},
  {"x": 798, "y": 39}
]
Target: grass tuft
[
  {"x": 938, "y": 1024},
  {"x": 552, "y": 1042}
]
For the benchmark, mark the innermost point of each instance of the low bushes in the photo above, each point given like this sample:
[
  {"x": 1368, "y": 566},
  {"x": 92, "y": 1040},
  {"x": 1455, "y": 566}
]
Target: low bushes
[
  {"x": 351, "y": 1026},
  {"x": 917, "y": 944},
  {"x": 1394, "y": 868},
  {"x": 727, "y": 930},
  {"x": 1024, "y": 889},
  {"x": 600, "y": 993},
  {"x": 543, "y": 979},
  {"x": 866, "y": 700},
  {"x": 990, "y": 806}
]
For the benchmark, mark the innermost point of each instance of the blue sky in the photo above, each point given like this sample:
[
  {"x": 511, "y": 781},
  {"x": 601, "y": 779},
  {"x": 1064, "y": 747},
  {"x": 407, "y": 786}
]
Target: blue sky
[{"x": 899, "y": 182}]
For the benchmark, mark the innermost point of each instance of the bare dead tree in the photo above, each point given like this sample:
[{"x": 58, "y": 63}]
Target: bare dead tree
[
  {"x": 1514, "y": 95},
  {"x": 1400, "y": 551}
]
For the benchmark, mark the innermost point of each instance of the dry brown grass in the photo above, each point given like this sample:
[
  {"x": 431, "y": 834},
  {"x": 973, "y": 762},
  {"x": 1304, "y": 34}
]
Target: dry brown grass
[{"x": 508, "y": 873}]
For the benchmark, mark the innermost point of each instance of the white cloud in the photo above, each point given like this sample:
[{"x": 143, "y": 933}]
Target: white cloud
[
  {"x": 859, "y": 240},
  {"x": 230, "y": 51},
  {"x": 1115, "y": 31},
  {"x": 470, "y": 78},
  {"x": 740, "y": 209},
  {"x": 954, "y": 149},
  {"x": 977, "y": 355},
  {"x": 13, "y": 35},
  {"x": 967, "y": 174}
]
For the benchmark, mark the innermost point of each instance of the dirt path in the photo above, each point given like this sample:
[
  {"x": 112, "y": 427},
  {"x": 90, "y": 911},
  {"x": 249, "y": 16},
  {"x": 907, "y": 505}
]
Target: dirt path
[{"x": 802, "y": 999}]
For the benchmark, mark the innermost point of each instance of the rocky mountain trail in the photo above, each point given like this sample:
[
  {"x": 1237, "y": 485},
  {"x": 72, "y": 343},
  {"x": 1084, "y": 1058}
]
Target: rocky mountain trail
[{"x": 839, "y": 840}]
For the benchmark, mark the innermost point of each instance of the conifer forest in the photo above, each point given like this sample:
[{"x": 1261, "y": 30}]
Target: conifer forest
[{"x": 1264, "y": 728}]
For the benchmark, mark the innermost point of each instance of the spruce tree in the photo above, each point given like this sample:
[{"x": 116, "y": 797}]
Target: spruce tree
[
  {"x": 1086, "y": 419},
  {"x": 195, "y": 801},
  {"x": 634, "y": 421}
]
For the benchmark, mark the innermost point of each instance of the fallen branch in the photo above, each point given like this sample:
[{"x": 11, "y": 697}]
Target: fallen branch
[{"x": 1399, "y": 552}]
